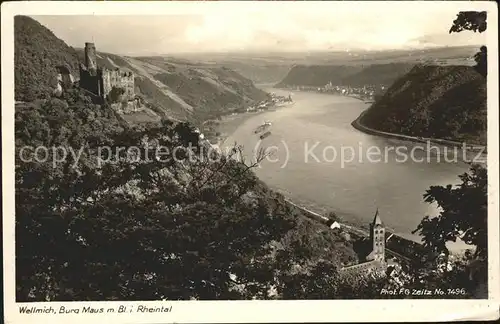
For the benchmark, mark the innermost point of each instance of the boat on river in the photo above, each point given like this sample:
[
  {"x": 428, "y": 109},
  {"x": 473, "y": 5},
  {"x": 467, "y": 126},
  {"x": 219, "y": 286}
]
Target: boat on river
[
  {"x": 262, "y": 127},
  {"x": 266, "y": 134}
]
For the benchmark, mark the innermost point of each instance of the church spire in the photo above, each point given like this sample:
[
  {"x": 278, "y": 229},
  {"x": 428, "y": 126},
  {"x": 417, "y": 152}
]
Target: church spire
[{"x": 376, "y": 219}]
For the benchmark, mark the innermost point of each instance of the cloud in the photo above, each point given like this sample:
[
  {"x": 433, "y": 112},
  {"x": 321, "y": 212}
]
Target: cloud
[{"x": 298, "y": 27}]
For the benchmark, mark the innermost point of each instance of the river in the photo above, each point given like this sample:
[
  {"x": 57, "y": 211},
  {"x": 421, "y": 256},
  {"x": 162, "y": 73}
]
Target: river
[{"x": 355, "y": 186}]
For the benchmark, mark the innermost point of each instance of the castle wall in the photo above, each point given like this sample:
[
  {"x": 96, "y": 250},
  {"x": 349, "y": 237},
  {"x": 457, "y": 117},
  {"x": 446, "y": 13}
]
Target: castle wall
[
  {"x": 120, "y": 79},
  {"x": 366, "y": 268},
  {"x": 90, "y": 82},
  {"x": 128, "y": 107}
]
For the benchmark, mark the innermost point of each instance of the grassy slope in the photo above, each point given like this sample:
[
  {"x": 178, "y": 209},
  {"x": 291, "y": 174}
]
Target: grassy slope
[
  {"x": 447, "y": 102},
  {"x": 209, "y": 90}
]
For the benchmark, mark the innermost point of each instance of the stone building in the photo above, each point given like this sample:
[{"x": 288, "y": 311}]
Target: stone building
[
  {"x": 377, "y": 239},
  {"x": 119, "y": 79},
  {"x": 100, "y": 81},
  {"x": 375, "y": 263}
]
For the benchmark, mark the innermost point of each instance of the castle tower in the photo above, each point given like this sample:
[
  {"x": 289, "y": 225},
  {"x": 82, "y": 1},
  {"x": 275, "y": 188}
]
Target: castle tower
[
  {"x": 91, "y": 59},
  {"x": 377, "y": 238}
]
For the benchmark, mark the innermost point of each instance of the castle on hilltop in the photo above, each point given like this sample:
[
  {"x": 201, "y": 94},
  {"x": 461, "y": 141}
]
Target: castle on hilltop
[{"x": 100, "y": 81}]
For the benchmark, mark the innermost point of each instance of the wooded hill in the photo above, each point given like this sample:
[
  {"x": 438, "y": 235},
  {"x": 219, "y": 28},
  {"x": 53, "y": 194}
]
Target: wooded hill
[
  {"x": 345, "y": 75},
  {"x": 446, "y": 102}
]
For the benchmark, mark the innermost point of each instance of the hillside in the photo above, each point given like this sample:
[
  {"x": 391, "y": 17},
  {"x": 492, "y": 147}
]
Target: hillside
[
  {"x": 37, "y": 52},
  {"x": 185, "y": 90},
  {"x": 446, "y": 102},
  {"x": 345, "y": 75},
  {"x": 147, "y": 229},
  {"x": 193, "y": 224},
  {"x": 261, "y": 73},
  {"x": 176, "y": 89}
]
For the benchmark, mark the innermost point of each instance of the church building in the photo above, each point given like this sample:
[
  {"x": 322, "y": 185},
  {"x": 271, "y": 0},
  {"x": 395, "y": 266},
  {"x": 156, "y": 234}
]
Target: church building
[
  {"x": 377, "y": 239},
  {"x": 375, "y": 263}
]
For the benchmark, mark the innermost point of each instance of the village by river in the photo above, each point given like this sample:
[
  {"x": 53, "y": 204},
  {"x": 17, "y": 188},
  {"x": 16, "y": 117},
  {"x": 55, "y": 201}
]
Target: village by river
[{"x": 317, "y": 159}]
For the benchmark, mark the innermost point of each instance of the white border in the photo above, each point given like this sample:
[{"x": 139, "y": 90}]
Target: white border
[{"x": 246, "y": 311}]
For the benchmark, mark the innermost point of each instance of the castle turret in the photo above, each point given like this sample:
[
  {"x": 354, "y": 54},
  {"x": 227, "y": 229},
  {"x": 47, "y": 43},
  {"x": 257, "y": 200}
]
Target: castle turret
[
  {"x": 90, "y": 58},
  {"x": 377, "y": 238}
]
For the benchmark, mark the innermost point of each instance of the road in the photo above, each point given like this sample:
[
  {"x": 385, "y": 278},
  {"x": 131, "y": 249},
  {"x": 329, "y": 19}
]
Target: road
[{"x": 349, "y": 228}]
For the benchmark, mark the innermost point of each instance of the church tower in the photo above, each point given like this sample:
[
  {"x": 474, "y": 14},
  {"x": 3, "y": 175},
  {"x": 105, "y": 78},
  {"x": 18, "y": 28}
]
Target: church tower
[{"x": 377, "y": 238}]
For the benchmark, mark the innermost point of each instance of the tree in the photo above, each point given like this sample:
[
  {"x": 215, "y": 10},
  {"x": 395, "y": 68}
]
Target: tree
[
  {"x": 334, "y": 217},
  {"x": 469, "y": 20},
  {"x": 145, "y": 229},
  {"x": 481, "y": 59},
  {"x": 115, "y": 94},
  {"x": 464, "y": 213},
  {"x": 474, "y": 21}
]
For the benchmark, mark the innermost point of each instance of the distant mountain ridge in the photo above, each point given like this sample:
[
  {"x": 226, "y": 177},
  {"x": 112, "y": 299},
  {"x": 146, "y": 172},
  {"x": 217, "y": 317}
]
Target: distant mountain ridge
[
  {"x": 345, "y": 75},
  {"x": 273, "y": 67},
  {"x": 177, "y": 89},
  {"x": 445, "y": 102}
]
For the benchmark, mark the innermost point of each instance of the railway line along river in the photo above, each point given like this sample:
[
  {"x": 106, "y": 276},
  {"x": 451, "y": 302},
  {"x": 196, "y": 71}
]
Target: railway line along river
[{"x": 317, "y": 159}]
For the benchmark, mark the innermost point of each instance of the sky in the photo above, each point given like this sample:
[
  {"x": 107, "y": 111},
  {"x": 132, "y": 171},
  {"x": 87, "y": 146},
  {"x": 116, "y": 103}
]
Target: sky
[{"x": 268, "y": 27}]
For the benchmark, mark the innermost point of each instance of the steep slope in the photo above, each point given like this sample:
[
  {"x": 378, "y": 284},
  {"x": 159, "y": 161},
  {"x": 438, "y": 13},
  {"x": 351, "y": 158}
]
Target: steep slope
[
  {"x": 447, "y": 102},
  {"x": 378, "y": 74},
  {"x": 37, "y": 52},
  {"x": 209, "y": 91},
  {"x": 348, "y": 75}
]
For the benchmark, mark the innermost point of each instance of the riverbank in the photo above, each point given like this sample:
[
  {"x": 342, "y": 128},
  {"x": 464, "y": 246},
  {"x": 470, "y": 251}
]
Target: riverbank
[
  {"x": 471, "y": 153},
  {"x": 363, "y": 231},
  {"x": 475, "y": 152},
  {"x": 229, "y": 124},
  {"x": 329, "y": 93}
]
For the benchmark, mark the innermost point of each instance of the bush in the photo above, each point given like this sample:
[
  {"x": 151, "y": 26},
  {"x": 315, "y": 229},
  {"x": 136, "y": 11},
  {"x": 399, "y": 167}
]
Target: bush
[{"x": 115, "y": 95}]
